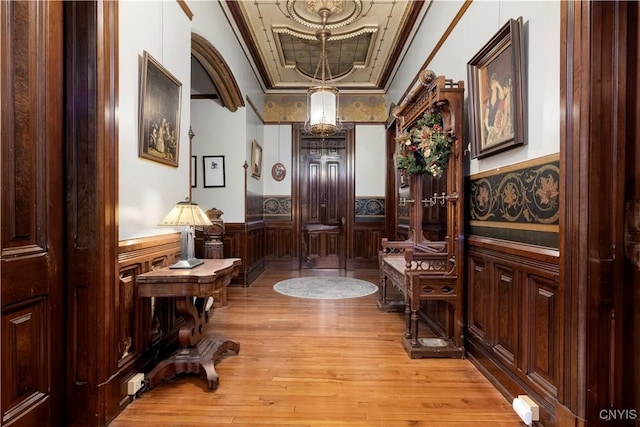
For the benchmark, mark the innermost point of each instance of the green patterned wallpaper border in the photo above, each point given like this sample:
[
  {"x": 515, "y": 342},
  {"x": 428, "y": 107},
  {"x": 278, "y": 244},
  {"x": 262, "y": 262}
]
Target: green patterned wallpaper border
[
  {"x": 519, "y": 202},
  {"x": 353, "y": 108}
]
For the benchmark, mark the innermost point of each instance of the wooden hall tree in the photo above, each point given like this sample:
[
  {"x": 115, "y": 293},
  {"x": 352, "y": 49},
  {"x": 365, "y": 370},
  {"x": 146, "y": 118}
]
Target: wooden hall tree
[{"x": 427, "y": 266}]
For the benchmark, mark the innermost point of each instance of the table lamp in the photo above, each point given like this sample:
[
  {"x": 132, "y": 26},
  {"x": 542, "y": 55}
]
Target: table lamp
[{"x": 186, "y": 214}]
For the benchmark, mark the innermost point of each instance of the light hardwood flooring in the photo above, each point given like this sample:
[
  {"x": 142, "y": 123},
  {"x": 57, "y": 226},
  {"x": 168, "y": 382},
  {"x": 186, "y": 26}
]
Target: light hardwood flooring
[{"x": 320, "y": 363}]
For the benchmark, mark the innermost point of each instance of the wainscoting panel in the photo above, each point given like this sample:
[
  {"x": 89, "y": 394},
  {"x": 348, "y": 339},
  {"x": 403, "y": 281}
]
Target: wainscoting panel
[
  {"x": 506, "y": 308},
  {"x": 513, "y": 316},
  {"x": 247, "y": 242},
  {"x": 146, "y": 327},
  {"x": 365, "y": 246},
  {"x": 478, "y": 298},
  {"x": 280, "y": 250},
  {"x": 543, "y": 345}
]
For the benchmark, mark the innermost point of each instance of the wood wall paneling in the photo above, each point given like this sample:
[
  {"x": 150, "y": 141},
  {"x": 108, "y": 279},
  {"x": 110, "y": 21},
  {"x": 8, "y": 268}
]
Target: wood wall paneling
[
  {"x": 478, "y": 308},
  {"x": 598, "y": 84},
  {"x": 505, "y": 331},
  {"x": 247, "y": 242},
  {"x": 91, "y": 166},
  {"x": 367, "y": 238},
  {"x": 147, "y": 327},
  {"x": 542, "y": 312},
  {"x": 32, "y": 214},
  {"x": 512, "y": 318},
  {"x": 280, "y": 246}
]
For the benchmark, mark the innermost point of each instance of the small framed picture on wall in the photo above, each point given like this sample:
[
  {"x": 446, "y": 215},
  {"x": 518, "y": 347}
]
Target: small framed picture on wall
[
  {"x": 213, "y": 170},
  {"x": 194, "y": 171}
]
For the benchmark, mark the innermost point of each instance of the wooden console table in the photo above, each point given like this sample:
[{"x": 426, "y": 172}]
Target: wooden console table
[{"x": 197, "y": 354}]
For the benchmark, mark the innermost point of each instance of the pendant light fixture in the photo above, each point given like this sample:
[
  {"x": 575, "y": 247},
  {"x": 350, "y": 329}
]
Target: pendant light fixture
[{"x": 323, "y": 98}]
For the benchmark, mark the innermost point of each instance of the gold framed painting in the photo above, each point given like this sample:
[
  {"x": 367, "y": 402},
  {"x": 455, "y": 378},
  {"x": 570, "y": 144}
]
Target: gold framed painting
[
  {"x": 498, "y": 98},
  {"x": 160, "y": 99},
  {"x": 256, "y": 159}
]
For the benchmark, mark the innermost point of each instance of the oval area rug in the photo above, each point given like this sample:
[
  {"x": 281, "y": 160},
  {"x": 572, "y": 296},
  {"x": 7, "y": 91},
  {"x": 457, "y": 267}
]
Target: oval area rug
[{"x": 321, "y": 287}]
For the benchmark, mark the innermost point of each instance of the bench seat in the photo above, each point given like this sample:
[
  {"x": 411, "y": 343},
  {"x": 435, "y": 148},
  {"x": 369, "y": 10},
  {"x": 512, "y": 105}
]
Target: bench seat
[{"x": 420, "y": 273}]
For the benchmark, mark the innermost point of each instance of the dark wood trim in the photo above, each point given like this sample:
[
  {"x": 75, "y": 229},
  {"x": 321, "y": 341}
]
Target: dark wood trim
[
  {"x": 279, "y": 253},
  {"x": 391, "y": 192},
  {"x": 296, "y": 212},
  {"x": 142, "y": 334},
  {"x": 245, "y": 31},
  {"x": 141, "y": 245},
  {"x": 349, "y": 226},
  {"x": 513, "y": 248},
  {"x": 366, "y": 245},
  {"x": 204, "y": 96},
  {"x": 91, "y": 56},
  {"x": 506, "y": 384},
  {"x": 513, "y": 311},
  {"x": 593, "y": 90},
  {"x": 439, "y": 44},
  {"x": 247, "y": 242},
  {"x": 185, "y": 9},
  {"x": 412, "y": 16},
  {"x": 218, "y": 71}
]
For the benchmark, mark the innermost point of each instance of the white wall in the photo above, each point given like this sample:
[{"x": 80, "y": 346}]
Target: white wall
[
  {"x": 478, "y": 25},
  {"x": 277, "y": 149},
  {"x": 255, "y": 132},
  {"x": 149, "y": 189},
  {"x": 219, "y": 132},
  {"x": 370, "y": 161},
  {"x": 210, "y": 22}
]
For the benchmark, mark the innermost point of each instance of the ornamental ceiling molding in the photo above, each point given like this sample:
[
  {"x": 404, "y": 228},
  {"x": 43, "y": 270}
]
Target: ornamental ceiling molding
[
  {"x": 334, "y": 44},
  {"x": 371, "y": 39},
  {"x": 307, "y": 12},
  {"x": 367, "y": 29}
]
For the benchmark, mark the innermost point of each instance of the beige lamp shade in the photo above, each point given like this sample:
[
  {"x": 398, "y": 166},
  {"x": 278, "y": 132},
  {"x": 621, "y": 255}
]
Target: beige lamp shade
[{"x": 184, "y": 214}]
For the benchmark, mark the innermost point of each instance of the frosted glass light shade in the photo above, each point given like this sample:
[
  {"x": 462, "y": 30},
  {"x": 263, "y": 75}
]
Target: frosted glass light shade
[{"x": 322, "y": 110}]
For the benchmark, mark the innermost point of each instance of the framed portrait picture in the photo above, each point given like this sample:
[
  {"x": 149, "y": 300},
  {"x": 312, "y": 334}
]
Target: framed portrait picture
[
  {"x": 160, "y": 98},
  {"x": 194, "y": 171},
  {"x": 497, "y": 96},
  {"x": 256, "y": 159},
  {"x": 213, "y": 169}
]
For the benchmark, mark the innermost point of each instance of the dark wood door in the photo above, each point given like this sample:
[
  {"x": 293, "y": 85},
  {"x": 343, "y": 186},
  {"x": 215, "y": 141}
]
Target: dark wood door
[
  {"x": 323, "y": 200},
  {"x": 31, "y": 337}
]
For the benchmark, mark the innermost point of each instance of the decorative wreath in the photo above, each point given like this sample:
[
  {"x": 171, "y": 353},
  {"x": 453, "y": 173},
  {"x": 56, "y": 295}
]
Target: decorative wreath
[{"x": 425, "y": 148}]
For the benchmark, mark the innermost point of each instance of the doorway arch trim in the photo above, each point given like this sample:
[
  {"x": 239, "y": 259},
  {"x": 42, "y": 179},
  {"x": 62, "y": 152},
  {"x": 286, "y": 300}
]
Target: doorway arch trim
[{"x": 218, "y": 71}]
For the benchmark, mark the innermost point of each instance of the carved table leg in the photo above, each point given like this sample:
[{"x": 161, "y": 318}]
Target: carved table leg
[
  {"x": 197, "y": 354},
  {"x": 200, "y": 359}
]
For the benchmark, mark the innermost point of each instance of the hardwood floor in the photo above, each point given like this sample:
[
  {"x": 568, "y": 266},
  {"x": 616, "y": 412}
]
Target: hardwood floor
[{"x": 320, "y": 363}]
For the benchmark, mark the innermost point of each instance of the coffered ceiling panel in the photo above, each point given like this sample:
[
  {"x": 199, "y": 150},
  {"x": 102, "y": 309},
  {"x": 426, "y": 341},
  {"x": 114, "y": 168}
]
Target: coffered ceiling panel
[{"x": 367, "y": 40}]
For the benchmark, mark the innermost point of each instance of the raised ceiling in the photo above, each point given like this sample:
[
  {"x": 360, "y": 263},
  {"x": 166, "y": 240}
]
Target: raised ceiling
[{"x": 368, "y": 40}]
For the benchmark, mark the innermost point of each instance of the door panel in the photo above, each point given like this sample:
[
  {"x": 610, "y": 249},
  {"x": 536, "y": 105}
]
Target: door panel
[
  {"x": 31, "y": 267},
  {"x": 323, "y": 203}
]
